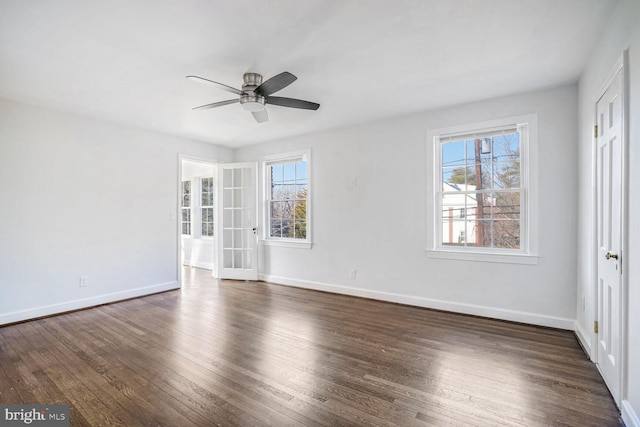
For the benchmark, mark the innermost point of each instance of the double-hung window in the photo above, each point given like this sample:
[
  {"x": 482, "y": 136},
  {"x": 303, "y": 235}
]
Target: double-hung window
[
  {"x": 206, "y": 206},
  {"x": 185, "y": 207},
  {"x": 287, "y": 199},
  {"x": 482, "y": 194},
  {"x": 196, "y": 204}
]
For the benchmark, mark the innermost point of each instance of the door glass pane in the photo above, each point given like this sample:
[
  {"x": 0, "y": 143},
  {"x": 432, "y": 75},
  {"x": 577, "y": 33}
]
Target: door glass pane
[
  {"x": 246, "y": 198},
  {"x": 237, "y": 218},
  {"x": 246, "y": 177},
  {"x": 247, "y": 216},
  {"x": 227, "y": 239},
  {"x": 248, "y": 238},
  {"x": 228, "y": 198},
  {"x": 247, "y": 260},
  {"x": 227, "y": 180},
  {"x": 228, "y": 258},
  {"x": 237, "y": 258},
  {"x": 237, "y": 177},
  {"x": 237, "y": 198}
]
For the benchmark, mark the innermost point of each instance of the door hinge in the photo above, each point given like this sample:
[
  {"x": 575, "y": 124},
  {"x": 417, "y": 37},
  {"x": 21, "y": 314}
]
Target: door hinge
[
  {"x": 595, "y": 326},
  {"x": 595, "y": 131}
]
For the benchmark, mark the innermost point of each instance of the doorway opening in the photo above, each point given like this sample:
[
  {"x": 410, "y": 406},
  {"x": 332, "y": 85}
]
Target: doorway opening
[{"x": 197, "y": 214}]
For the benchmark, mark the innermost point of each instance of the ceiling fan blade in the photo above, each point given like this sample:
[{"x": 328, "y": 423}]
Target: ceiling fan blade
[
  {"x": 216, "y": 104},
  {"x": 260, "y": 116},
  {"x": 219, "y": 85},
  {"x": 291, "y": 103},
  {"x": 275, "y": 84}
]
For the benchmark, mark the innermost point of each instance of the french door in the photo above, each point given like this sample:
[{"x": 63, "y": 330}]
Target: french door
[{"x": 237, "y": 222}]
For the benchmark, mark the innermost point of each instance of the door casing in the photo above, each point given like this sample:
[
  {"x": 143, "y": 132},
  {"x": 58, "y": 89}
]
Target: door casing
[{"x": 622, "y": 67}]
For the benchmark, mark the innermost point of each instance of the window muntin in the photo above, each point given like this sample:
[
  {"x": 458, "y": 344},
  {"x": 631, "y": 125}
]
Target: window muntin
[
  {"x": 185, "y": 206},
  {"x": 487, "y": 215},
  {"x": 206, "y": 207}
]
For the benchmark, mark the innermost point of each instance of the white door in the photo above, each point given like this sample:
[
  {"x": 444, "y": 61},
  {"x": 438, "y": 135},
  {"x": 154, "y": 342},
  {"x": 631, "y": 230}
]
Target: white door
[
  {"x": 609, "y": 113},
  {"x": 237, "y": 233}
]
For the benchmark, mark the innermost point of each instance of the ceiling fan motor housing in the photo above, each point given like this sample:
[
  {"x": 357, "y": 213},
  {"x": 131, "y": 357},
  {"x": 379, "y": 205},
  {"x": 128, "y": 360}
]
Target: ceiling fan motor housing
[{"x": 249, "y": 99}]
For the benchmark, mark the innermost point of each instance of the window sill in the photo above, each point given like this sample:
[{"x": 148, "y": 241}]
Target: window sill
[
  {"x": 484, "y": 257},
  {"x": 287, "y": 244}
]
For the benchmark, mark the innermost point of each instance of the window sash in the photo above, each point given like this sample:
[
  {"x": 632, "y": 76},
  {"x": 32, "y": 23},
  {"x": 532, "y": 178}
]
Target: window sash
[
  {"x": 206, "y": 207},
  {"x": 185, "y": 204},
  {"x": 444, "y": 237},
  {"x": 287, "y": 211}
]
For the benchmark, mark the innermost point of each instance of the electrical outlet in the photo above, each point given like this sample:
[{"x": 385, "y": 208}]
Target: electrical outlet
[
  {"x": 352, "y": 274},
  {"x": 84, "y": 281},
  {"x": 353, "y": 182},
  {"x": 583, "y": 303}
]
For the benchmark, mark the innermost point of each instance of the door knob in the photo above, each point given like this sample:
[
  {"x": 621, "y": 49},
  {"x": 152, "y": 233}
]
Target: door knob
[{"x": 609, "y": 255}]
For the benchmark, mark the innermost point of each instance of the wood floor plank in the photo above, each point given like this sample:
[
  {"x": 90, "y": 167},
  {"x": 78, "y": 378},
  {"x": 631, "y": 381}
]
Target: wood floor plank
[{"x": 236, "y": 353}]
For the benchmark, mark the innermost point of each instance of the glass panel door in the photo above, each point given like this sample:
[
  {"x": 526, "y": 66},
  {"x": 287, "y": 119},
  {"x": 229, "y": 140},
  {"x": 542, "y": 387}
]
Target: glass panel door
[{"x": 237, "y": 237}]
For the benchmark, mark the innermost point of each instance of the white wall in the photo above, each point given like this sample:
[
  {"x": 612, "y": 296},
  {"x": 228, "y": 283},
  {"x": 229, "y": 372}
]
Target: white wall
[
  {"x": 622, "y": 32},
  {"x": 379, "y": 226},
  {"x": 85, "y": 197},
  {"x": 197, "y": 252}
]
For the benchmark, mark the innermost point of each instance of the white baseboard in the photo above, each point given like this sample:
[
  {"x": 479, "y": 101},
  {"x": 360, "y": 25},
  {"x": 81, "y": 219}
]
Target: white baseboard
[
  {"x": 203, "y": 265},
  {"x": 476, "y": 310},
  {"x": 47, "y": 310},
  {"x": 629, "y": 416},
  {"x": 199, "y": 264},
  {"x": 584, "y": 338}
]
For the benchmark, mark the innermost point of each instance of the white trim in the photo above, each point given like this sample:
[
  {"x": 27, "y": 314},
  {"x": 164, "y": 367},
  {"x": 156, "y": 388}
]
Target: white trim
[
  {"x": 203, "y": 265},
  {"x": 290, "y": 156},
  {"x": 48, "y": 310},
  {"x": 629, "y": 415},
  {"x": 231, "y": 272},
  {"x": 472, "y": 309},
  {"x": 621, "y": 65},
  {"x": 285, "y": 243},
  {"x": 584, "y": 338},
  {"x": 530, "y": 218},
  {"x": 484, "y": 257},
  {"x": 264, "y": 163}
]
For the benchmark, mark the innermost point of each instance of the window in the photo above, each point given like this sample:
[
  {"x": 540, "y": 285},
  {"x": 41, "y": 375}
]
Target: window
[
  {"x": 287, "y": 195},
  {"x": 186, "y": 208},
  {"x": 482, "y": 191},
  {"x": 206, "y": 207}
]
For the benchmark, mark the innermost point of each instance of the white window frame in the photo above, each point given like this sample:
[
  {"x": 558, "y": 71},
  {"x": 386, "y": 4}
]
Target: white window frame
[
  {"x": 266, "y": 163},
  {"x": 201, "y": 207},
  {"x": 196, "y": 207},
  {"x": 528, "y": 252},
  {"x": 186, "y": 208}
]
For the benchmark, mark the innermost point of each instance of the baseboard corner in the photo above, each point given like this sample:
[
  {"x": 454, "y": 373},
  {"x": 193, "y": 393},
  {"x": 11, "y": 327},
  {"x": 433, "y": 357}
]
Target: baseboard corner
[
  {"x": 629, "y": 415},
  {"x": 583, "y": 339}
]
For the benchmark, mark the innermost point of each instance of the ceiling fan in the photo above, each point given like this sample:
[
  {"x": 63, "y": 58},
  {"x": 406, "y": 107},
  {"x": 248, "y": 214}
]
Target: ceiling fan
[{"x": 255, "y": 94}]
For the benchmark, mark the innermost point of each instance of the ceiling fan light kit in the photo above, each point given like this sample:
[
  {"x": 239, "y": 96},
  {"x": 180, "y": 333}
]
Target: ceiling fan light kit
[{"x": 255, "y": 94}]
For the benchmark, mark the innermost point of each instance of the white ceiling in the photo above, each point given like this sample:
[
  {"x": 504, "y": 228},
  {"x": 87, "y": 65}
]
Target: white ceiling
[{"x": 126, "y": 60}]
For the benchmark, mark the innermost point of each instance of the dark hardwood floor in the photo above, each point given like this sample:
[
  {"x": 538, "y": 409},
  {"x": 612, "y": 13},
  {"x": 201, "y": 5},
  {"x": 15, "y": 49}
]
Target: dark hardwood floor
[{"x": 240, "y": 353}]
